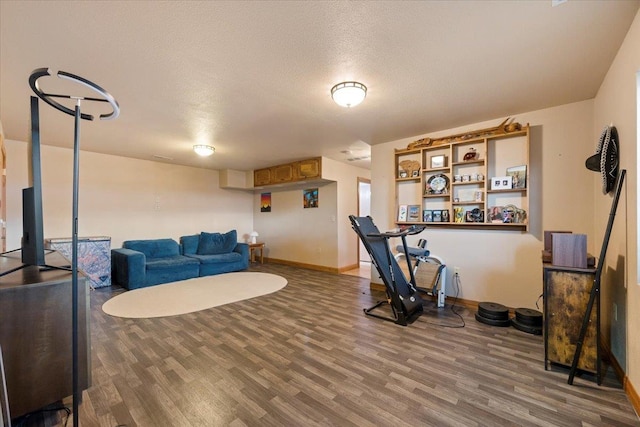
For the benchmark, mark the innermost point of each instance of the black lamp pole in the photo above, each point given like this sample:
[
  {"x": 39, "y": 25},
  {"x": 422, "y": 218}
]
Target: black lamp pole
[
  {"x": 78, "y": 115},
  {"x": 74, "y": 265}
]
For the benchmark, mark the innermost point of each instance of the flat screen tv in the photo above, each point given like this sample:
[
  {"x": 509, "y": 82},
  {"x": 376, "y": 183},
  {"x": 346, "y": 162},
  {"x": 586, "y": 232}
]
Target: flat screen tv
[{"x": 32, "y": 223}]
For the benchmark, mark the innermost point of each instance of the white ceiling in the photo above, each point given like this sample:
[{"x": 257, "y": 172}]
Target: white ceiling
[{"x": 253, "y": 79}]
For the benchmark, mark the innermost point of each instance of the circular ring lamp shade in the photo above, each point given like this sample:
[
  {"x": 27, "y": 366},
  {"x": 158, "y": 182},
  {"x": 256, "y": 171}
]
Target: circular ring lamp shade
[
  {"x": 204, "y": 150},
  {"x": 348, "y": 94},
  {"x": 46, "y": 97}
]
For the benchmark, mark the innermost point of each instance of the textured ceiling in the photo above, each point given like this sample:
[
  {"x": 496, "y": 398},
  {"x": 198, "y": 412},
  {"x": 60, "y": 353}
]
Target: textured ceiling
[{"x": 253, "y": 79}]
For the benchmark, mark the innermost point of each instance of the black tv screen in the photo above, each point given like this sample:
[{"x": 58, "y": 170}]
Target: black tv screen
[{"x": 32, "y": 222}]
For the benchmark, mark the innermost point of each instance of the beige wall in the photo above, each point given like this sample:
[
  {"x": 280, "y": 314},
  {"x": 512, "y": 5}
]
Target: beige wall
[
  {"x": 347, "y": 179},
  {"x": 505, "y": 266},
  {"x": 294, "y": 233},
  {"x": 617, "y": 103},
  {"x": 124, "y": 198},
  {"x": 318, "y": 236}
]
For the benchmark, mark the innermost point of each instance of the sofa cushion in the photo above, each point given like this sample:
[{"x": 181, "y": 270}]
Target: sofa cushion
[
  {"x": 170, "y": 262},
  {"x": 217, "y": 259},
  {"x": 156, "y": 248},
  {"x": 216, "y": 243},
  {"x": 190, "y": 244}
]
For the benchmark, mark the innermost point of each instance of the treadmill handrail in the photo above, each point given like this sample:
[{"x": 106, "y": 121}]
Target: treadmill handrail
[{"x": 414, "y": 229}]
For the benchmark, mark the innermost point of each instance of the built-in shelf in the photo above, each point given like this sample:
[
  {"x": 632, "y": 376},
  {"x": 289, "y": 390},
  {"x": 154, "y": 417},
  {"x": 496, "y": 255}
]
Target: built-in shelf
[{"x": 467, "y": 180}]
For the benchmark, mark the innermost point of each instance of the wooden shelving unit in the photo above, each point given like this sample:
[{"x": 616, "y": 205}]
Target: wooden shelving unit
[{"x": 468, "y": 182}]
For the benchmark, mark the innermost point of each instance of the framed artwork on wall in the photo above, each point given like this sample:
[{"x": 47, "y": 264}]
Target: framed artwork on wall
[
  {"x": 265, "y": 202},
  {"x": 310, "y": 198}
]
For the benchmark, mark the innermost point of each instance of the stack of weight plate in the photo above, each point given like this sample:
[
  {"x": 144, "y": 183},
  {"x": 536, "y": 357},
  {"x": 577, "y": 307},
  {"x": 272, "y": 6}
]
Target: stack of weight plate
[
  {"x": 528, "y": 320},
  {"x": 494, "y": 314}
]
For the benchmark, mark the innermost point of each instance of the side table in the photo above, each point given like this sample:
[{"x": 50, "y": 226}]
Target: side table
[{"x": 253, "y": 247}]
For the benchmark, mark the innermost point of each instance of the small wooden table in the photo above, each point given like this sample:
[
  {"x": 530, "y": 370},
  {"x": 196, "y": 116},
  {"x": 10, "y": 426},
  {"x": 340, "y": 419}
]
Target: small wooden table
[{"x": 254, "y": 247}]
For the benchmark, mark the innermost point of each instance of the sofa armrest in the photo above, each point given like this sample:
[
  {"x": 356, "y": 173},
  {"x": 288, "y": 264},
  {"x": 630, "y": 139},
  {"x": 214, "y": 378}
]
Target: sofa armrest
[
  {"x": 128, "y": 267},
  {"x": 242, "y": 249}
]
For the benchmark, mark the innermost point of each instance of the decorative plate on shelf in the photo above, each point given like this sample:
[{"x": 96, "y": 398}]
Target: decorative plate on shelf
[{"x": 437, "y": 184}]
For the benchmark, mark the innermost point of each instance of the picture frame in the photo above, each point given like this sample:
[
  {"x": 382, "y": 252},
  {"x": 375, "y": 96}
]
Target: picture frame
[
  {"x": 438, "y": 161},
  {"x": 403, "y": 174},
  {"x": 402, "y": 213},
  {"x": 415, "y": 174},
  {"x": 501, "y": 182},
  {"x": 518, "y": 176},
  {"x": 427, "y": 216},
  {"x": 437, "y": 216},
  {"x": 445, "y": 215},
  {"x": 413, "y": 213},
  {"x": 310, "y": 198},
  {"x": 265, "y": 202},
  {"x": 474, "y": 215}
]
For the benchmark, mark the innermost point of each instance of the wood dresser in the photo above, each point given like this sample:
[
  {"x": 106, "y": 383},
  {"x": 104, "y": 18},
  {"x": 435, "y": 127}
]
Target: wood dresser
[{"x": 566, "y": 295}]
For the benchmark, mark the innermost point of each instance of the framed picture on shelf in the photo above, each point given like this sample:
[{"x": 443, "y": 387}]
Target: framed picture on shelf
[
  {"x": 445, "y": 215},
  {"x": 413, "y": 214},
  {"x": 501, "y": 183},
  {"x": 518, "y": 176},
  {"x": 402, "y": 213},
  {"x": 403, "y": 174},
  {"x": 474, "y": 215},
  {"x": 427, "y": 216},
  {"x": 437, "y": 216},
  {"x": 438, "y": 161},
  {"x": 415, "y": 174}
]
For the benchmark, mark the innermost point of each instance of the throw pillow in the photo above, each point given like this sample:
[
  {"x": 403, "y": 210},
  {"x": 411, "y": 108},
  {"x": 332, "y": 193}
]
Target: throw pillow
[
  {"x": 216, "y": 243},
  {"x": 190, "y": 244}
]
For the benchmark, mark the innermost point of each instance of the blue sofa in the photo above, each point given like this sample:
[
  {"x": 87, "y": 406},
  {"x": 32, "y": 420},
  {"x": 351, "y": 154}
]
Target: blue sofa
[{"x": 141, "y": 263}]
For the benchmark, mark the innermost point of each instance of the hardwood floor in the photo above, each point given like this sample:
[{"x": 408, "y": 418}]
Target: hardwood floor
[
  {"x": 308, "y": 356},
  {"x": 364, "y": 270}
]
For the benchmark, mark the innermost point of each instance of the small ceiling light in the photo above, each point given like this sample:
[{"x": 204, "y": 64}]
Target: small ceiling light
[
  {"x": 348, "y": 94},
  {"x": 204, "y": 150}
]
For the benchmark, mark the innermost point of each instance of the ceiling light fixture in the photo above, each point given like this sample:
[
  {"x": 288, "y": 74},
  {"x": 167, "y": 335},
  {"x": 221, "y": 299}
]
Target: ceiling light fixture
[
  {"x": 204, "y": 150},
  {"x": 348, "y": 94}
]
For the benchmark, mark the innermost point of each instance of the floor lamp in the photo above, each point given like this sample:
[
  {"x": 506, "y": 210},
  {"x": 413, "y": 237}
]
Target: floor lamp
[{"x": 78, "y": 115}]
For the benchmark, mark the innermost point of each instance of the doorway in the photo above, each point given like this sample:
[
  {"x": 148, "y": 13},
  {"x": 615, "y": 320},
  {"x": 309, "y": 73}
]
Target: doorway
[{"x": 364, "y": 209}]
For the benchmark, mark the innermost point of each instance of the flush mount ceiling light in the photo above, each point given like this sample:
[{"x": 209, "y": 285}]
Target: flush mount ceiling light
[
  {"x": 348, "y": 94},
  {"x": 204, "y": 150}
]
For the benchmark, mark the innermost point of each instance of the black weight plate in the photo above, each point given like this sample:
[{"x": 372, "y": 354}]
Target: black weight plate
[
  {"x": 494, "y": 316},
  {"x": 492, "y": 308},
  {"x": 535, "y": 330},
  {"x": 527, "y": 316},
  {"x": 492, "y": 322}
]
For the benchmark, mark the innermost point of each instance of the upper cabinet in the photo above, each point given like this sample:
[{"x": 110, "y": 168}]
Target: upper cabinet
[
  {"x": 287, "y": 173},
  {"x": 475, "y": 179}
]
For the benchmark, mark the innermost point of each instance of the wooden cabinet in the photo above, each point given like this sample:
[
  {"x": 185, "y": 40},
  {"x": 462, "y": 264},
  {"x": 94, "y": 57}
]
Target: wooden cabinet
[
  {"x": 566, "y": 296},
  {"x": 453, "y": 184},
  {"x": 289, "y": 172},
  {"x": 261, "y": 177}
]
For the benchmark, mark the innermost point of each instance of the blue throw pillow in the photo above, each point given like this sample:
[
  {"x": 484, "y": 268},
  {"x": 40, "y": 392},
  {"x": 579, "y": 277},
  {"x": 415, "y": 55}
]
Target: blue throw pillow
[
  {"x": 216, "y": 243},
  {"x": 190, "y": 244}
]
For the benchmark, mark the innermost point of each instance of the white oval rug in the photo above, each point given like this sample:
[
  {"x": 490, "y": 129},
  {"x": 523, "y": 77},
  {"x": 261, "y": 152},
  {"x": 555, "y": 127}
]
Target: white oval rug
[{"x": 187, "y": 296}]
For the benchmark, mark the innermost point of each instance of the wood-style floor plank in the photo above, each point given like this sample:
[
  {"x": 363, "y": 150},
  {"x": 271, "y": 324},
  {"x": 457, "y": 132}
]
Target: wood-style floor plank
[{"x": 308, "y": 356}]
